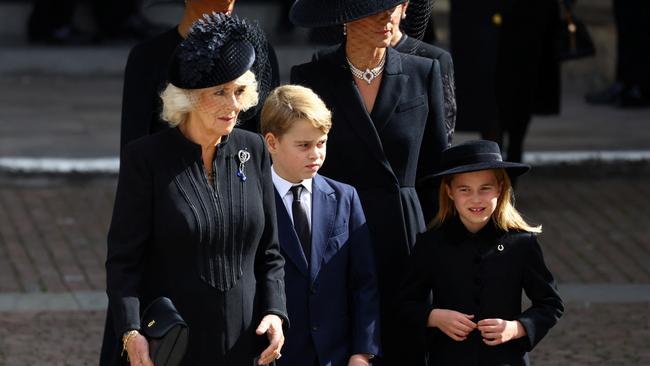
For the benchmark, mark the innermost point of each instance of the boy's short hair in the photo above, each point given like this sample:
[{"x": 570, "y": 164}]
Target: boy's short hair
[{"x": 289, "y": 103}]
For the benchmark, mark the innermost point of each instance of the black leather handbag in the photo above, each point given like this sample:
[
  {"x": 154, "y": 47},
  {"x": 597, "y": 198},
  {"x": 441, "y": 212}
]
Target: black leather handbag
[
  {"x": 573, "y": 39},
  {"x": 166, "y": 332}
]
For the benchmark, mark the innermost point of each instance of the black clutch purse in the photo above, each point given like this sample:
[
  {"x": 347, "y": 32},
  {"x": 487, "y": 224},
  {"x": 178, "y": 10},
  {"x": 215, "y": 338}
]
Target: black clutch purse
[
  {"x": 166, "y": 332},
  {"x": 573, "y": 38}
]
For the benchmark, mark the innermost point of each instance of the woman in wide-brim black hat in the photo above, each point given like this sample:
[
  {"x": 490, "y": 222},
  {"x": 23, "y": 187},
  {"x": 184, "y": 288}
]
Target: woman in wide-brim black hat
[
  {"x": 194, "y": 216},
  {"x": 387, "y": 132},
  {"x": 474, "y": 263}
]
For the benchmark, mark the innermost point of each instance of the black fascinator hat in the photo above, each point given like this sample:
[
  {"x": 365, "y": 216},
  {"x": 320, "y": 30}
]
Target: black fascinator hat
[
  {"x": 325, "y": 13},
  {"x": 476, "y": 155},
  {"x": 218, "y": 49}
]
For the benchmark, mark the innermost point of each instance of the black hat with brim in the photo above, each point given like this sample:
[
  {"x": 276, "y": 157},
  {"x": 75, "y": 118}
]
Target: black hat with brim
[
  {"x": 325, "y": 13},
  {"x": 473, "y": 156}
]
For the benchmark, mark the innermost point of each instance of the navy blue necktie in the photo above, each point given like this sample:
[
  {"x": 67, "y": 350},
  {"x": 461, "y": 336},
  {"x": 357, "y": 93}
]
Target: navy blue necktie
[{"x": 300, "y": 223}]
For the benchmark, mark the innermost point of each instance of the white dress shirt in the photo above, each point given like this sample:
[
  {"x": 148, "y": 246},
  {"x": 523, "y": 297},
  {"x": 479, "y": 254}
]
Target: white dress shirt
[{"x": 283, "y": 187}]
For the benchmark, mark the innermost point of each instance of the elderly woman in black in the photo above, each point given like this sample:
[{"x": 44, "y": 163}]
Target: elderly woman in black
[
  {"x": 194, "y": 217},
  {"x": 387, "y": 131}
]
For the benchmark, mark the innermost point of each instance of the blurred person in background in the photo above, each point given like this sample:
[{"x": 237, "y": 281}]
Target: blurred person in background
[
  {"x": 506, "y": 67},
  {"x": 632, "y": 85},
  {"x": 52, "y": 22}
]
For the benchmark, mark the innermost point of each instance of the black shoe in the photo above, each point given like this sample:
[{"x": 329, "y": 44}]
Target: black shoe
[
  {"x": 632, "y": 97},
  {"x": 609, "y": 96},
  {"x": 67, "y": 35}
]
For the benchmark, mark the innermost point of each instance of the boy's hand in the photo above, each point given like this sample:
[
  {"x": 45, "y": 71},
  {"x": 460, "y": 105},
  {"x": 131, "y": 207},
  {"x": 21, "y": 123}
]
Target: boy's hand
[
  {"x": 454, "y": 324},
  {"x": 498, "y": 331},
  {"x": 359, "y": 359}
]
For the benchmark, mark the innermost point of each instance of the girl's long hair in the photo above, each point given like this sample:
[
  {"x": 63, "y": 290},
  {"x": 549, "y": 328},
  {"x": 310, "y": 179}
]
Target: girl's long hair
[{"x": 505, "y": 216}]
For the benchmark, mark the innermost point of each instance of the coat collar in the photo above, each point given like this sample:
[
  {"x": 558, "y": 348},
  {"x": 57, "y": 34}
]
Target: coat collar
[
  {"x": 455, "y": 230},
  {"x": 323, "y": 215},
  {"x": 368, "y": 126}
]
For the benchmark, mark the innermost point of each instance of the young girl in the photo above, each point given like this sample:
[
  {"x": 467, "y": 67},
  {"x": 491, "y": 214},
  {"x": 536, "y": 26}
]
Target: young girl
[{"x": 475, "y": 260}]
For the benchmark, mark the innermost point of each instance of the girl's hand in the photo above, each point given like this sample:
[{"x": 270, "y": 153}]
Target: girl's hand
[
  {"x": 498, "y": 331},
  {"x": 272, "y": 326},
  {"x": 138, "y": 351},
  {"x": 454, "y": 324}
]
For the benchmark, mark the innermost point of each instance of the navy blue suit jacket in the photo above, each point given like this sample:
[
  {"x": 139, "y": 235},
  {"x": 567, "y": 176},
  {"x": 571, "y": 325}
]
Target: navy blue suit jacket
[{"x": 333, "y": 302}]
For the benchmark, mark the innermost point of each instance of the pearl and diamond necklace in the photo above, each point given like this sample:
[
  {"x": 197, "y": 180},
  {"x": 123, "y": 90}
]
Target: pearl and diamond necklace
[{"x": 369, "y": 74}]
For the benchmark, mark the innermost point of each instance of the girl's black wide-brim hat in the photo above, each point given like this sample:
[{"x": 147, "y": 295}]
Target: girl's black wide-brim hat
[
  {"x": 476, "y": 155},
  {"x": 218, "y": 49},
  {"x": 326, "y": 13}
]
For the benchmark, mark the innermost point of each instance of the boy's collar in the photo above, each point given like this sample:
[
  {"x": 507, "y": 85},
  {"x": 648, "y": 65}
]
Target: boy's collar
[{"x": 283, "y": 186}]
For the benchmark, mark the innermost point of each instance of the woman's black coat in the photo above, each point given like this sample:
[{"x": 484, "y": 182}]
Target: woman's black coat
[
  {"x": 468, "y": 273},
  {"x": 384, "y": 153},
  {"x": 213, "y": 250}
]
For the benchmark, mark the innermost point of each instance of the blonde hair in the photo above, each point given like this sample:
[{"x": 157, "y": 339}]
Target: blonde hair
[
  {"x": 177, "y": 103},
  {"x": 505, "y": 216},
  {"x": 289, "y": 103}
]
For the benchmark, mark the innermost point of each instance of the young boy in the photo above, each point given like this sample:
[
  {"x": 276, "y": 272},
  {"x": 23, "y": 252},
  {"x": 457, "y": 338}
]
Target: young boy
[{"x": 330, "y": 275}]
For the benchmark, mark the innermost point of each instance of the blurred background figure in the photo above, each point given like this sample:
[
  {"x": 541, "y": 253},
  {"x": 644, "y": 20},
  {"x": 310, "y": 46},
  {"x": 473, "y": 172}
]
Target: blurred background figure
[
  {"x": 632, "y": 85},
  {"x": 506, "y": 67},
  {"x": 52, "y": 22}
]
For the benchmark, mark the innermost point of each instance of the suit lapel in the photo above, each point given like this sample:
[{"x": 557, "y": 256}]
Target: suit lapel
[
  {"x": 322, "y": 219},
  {"x": 392, "y": 83},
  {"x": 351, "y": 104},
  {"x": 289, "y": 241}
]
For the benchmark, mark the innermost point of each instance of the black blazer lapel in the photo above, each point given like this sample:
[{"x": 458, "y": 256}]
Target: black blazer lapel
[
  {"x": 392, "y": 83},
  {"x": 350, "y": 103},
  {"x": 322, "y": 219},
  {"x": 288, "y": 238}
]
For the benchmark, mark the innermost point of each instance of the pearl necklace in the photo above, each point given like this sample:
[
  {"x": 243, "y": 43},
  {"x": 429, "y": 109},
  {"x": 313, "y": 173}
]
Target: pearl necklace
[{"x": 370, "y": 74}]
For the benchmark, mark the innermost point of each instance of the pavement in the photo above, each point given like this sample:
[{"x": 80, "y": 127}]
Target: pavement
[{"x": 59, "y": 138}]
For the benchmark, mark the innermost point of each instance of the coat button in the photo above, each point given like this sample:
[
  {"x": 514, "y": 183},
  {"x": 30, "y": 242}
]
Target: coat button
[
  {"x": 477, "y": 301},
  {"x": 477, "y": 259},
  {"x": 314, "y": 328},
  {"x": 477, "y": 281},
  {"x": 497, "y": 19},
  {"x": 313, "y": 289}
]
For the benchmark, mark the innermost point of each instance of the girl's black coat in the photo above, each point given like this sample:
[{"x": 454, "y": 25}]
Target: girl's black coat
[
  {"x": 468, "y": 273},
  {"x": 213, "y": 252}
]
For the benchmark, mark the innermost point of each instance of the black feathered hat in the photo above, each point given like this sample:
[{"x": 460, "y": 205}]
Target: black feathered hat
[
  {"x": 325, "y": 13},
  {"x": 476, "y": 155},
  {"x": 218, "y": 49}
]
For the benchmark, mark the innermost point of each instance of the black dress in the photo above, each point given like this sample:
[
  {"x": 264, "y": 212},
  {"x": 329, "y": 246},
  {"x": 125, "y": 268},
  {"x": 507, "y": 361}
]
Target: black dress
[
  {"x": 212, "y": 249},
  {"x": 383, "y": 154},
  {"x": 472, "y": 274},
  {"x": 145, "y": 77}
]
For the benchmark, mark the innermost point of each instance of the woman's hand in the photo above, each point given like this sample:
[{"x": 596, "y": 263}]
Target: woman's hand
[
  {"x": 138, "y": 351},
  {"x": 454, "y": 324},
  {"x": 272, "y": 326},
  {"x": 498, "y": 331},
  {"x": 359, "y": 359}
]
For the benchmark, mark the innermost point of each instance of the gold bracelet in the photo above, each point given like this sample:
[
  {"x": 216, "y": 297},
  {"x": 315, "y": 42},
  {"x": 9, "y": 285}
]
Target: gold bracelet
[{"x": 126, "y": 338}]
